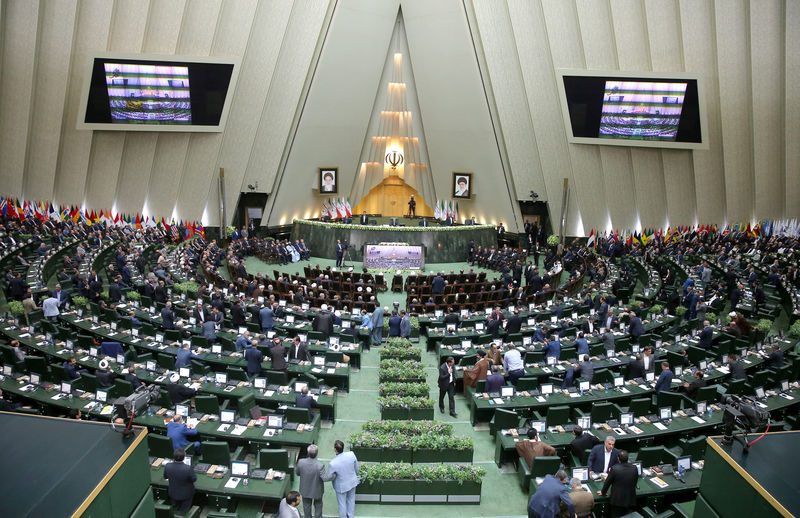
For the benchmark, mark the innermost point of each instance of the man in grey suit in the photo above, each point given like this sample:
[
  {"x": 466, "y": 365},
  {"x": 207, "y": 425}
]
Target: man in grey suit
[
  {"x": 343, "y": 471},
  {"x": 310, "y": 470}
]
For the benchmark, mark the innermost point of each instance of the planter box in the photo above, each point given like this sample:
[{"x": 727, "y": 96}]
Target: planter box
[
  {"x": 402, "y": 380},
  {"x": 420, "y": 414},
  {"x": 364, "y": 454},
  {"x": 394, "y": 413},
  {"x": 397, "y": 455},
  {"x": 367, "y": 492},
  {"x": 397, "y": 491},
  {"x": 430, "y": 492},
  {"x": 468, "y": 492},
  {"x": 432, "y": 456}
]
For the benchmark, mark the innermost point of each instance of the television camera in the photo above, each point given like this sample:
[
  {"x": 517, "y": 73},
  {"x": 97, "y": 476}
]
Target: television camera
[{"x": 741, "y": 416}]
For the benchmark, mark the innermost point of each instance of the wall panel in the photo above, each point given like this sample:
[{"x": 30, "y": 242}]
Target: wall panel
[
  {"x": 500, "y": 49},
  {"x": 733, "y": 63},
  {"x": 196, "y": 38},
  {"x": 16, "y": 87},
  {"x": 792, "y": 118},
  {"x": 292, "y": 67},
  {"x": 55, "y": 40},
  {"x": 91, "y": 35},
  {"x": 767, "y": 50},
  {"x": 698, "y": 36}
]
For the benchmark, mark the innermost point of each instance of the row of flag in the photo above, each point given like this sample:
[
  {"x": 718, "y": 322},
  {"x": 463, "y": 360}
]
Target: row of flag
[
  {"x": 766, "y": 229},
  {"x": 445, "y": 209},
  {"x": 337, "y": 208},
  {"x": 14, "y": 208}
]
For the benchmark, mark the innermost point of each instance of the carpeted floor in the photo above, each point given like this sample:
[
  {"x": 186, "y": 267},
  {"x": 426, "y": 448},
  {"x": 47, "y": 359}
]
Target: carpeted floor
[{"x": 501, "y": 494}]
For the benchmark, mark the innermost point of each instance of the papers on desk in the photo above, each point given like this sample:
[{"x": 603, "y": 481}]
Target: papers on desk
[
  {"x": 238, "y": 430},
  {"x": 330, "y": 371},
  {"x": 223, "y": 427},
  {"x": 540, "y": 399},
  {"x": 107, "y": 410},
  {"x": 759, "y": 404},
  {"x": 192, "y": 421},
  {"x": 195, "y": 386},
  {"x": 660, "y": 426},
  {"x": 574, "y": 394},
  {"x": 787, "y": 396},
  {"x": 58, "y": 396},
  {"x": 232, "y": 482},
  {"x": 560, "y": 367},
  {"x": 25, "y": 335},
  {"x": 269, "y": 393},
  {"x": 547, "y": 370},
  {"x": 498, "y": 401},
  {"x": 316, "y": 370},
  {"x": 660, "y": 483},
  {"x": 635, "y": 429},
  {"x": 697, "y": 419},
  {"x": 624, "y": 390},
  {"x": 723, "y": 370}
]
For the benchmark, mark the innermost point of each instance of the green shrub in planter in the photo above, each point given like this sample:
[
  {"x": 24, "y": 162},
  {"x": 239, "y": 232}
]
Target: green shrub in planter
[
  {"x": 408, "y": 427},
  {"x": 552, "y": 240},
  {"x": 656, "y": 309},
  {"x": 404, "y": 389},
  {"x": 711, "y": 316},
  {"x": 133, "y": 295},
  {"x": 16, "y": 308},
  {"x": 80, "y": 301},
  {"x": 764, "y": 325},
  {"x": 680, "y": 311},
  {"x": 794, "y": 330}
]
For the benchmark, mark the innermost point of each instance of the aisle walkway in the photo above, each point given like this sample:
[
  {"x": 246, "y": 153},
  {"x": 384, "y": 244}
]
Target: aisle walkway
[{"x": 501, "y": 495}]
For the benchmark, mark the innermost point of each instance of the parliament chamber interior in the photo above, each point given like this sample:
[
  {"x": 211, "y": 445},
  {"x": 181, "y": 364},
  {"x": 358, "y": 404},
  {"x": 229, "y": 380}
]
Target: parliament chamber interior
[{"x": 398, "y": 258}]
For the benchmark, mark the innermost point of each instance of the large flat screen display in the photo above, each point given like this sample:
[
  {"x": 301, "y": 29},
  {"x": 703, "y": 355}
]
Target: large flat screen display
[
  {"x": 142, "y": 93},
  {"x": 646, "y": 110}
]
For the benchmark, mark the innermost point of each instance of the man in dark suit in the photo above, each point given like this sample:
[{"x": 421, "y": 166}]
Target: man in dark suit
[
  {"x": 181, "y": 481},
  {"x": 546, "y": 501},
  {"x": 447, "y": 385},
  {"x": 423, "y": 222},
  {"x": 692, "y": 388},
  {"x": 635, "y": 328},
  {"x": 238, "y": 317},
  {"x": 339, "y": 252},
  {"x": 254, "y": 358},
  {"x": 437, "y": 285},
  {"x": 451, "y": 318},
  {"x": 394, "y": 324},
  {"x": 405, "y": 325},
  {"x": 323, "y": 322},
  {"x": 514, "y": 323},
  {"x": 664, "y": 381},
  {"x": 736, "y": 367},
  {"x": 493, "y": 327},
  {"x": 603, "y": 456},
  {"x": 636, "y": 368},
  {"x": 277, "y": 353},
  {"x": 582, "y": 442},
  {"x": 299, "y": 350},
  {"x": 132, "y": 378},
  {"x": 311, "y": 485},
  {"x": 304, "y": 400},
  {"x": 622, "y": 480},
  {"x": 200, "y": 314},
  {"x": 167, "y": 317},
  {"x": 364, "y": 219},
  {"x": 775, "y": 358},
  {"x": 706, "y": 336}
]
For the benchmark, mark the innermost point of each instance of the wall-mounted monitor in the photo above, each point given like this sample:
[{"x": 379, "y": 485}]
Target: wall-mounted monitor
[
  {"x": 152, "y": 92},
  {"x": 633, "y": 108}
]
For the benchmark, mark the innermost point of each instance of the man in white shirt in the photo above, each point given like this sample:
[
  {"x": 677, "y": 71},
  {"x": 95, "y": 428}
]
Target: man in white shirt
[
  {"x": 513, "y": 365},
  {"x": 50, "y": 308}
]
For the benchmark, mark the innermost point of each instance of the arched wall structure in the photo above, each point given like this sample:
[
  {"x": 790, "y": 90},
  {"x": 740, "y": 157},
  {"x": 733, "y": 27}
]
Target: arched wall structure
[{"x": 486, "y": 83}]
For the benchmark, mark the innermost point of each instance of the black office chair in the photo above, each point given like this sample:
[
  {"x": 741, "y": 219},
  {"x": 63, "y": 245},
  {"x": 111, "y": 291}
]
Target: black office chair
[
  {"x": 206, "y": 404},
  {"x": 159, "y": 446},
  {"x": 276, "y": 458}
]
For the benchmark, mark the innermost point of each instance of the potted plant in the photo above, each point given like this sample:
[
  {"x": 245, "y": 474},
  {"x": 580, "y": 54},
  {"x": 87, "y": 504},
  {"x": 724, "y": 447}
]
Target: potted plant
[
  {"x": 392, "y": 407},
  {"x": 763, "y": 327},
  {"x": 80, "y": 301},
  {"x": 794, "y": 329},
  {"x": 681, "y": 311},
  {"x": 17, "y": 310},
  {"x": 419, "y": 408}
]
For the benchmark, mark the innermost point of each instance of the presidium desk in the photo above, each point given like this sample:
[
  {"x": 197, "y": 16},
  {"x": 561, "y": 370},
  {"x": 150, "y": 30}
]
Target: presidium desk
[{"x": 441, "y": 244}]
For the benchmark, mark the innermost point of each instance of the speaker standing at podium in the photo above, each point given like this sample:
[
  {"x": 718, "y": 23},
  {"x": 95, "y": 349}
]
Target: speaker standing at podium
[
  {"x": 364, "y": 218},
  {"x": 412, "y": 206}
]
